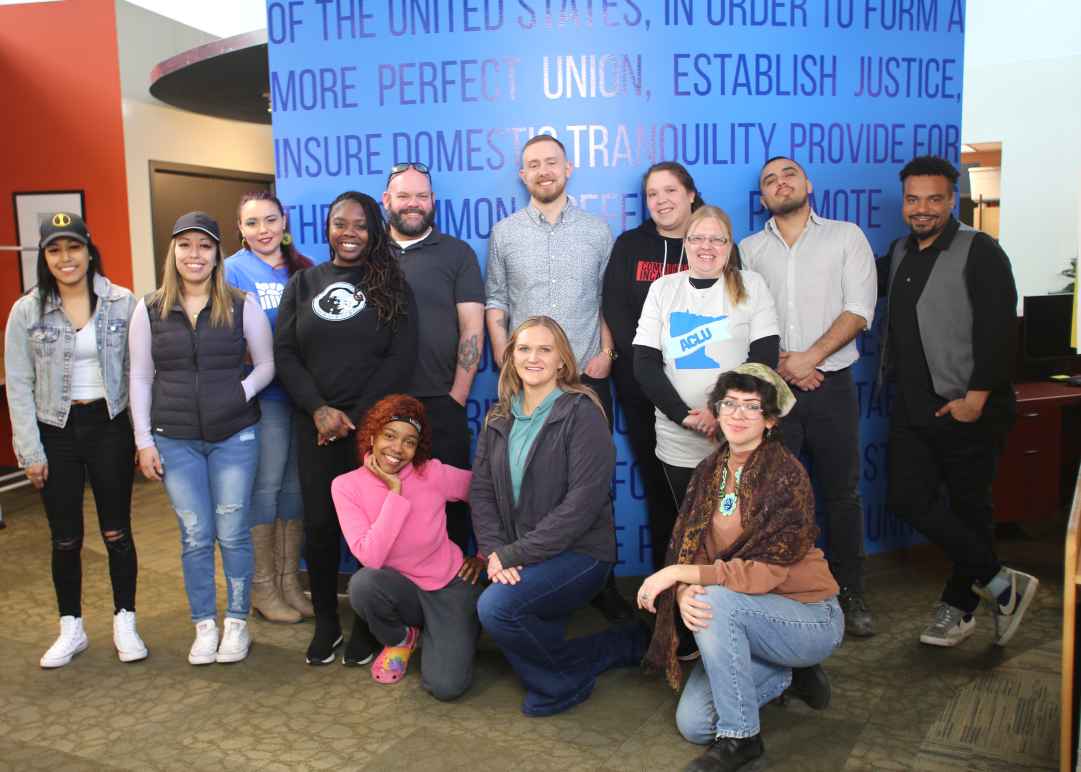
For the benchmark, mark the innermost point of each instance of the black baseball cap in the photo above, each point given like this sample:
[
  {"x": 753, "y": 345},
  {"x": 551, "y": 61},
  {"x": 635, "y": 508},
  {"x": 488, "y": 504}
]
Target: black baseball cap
[
  {"x": 198, "y": 221},
  {"x": 63, "y": 225}
]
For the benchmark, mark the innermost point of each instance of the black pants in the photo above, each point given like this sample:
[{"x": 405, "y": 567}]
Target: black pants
[
  {"x": 603, "y": 388},
  {"x": 450, "y": 444},
  {"x": 642, "y": 433},
  {"x": 963, "y": 456},
  {"x": 90, "y": 444},
  {"x": 389, "y": 602},
  {"x": 677, "y": 478},
  {"x": 825, "y": 424},
  {"x": 318, "y": 465}
]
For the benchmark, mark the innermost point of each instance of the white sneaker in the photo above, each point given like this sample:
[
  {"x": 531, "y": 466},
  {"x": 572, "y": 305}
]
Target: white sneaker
[
  {"x": 950, "y": 626},
  {"x": 1008, "y": 615},
  {"x": 72, "y": 640},
  {"x": 129, "y": 646},
  {"x": 235, "y": 642},
  {"x": 204, "y": 650}
]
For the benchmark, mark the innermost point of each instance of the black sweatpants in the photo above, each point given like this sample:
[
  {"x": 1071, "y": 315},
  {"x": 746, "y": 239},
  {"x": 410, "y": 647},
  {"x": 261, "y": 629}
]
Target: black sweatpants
[
  {"x": 825, "y": 424},
  {"x": 103, "y": 449},
  {"x": 450, "y": 444},
  {"x": 318, "y": 465},
  {"x": 963, "y": 456},
  {"x": 638, "y": 413}
]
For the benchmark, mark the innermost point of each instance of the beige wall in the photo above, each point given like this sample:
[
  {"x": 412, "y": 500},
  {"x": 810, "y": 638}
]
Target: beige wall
[{"x": 154, "y": 131}]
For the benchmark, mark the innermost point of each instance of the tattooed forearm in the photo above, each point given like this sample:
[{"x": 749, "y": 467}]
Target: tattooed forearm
[{"x": 469, "y": 352}]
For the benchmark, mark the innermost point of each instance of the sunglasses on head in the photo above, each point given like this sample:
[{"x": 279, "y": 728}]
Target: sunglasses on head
[{"x": 406, "y": 166}]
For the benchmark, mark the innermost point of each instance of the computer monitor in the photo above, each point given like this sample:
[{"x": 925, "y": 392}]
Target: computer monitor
[{"x": 1045, "y": 341}]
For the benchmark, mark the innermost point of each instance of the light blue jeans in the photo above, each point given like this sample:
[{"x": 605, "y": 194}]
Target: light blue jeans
[
  {"x": 276, "y": 493},
  {"x": 209, "y": 485},
  {"x": 748, "y": 652}
]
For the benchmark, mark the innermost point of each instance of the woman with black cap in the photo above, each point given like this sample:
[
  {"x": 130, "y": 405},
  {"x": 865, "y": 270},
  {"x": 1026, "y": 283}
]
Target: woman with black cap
[
  {"x": 66, "y": 361},
  {"x": 346, "y": 337},
  {"x": 196, "y": 421}
]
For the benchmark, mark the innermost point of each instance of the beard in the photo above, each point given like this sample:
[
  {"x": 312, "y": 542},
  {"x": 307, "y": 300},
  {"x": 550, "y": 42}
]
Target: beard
[
  {"x": 400, "y": 224},
  {"x": 547, "y": 196},
  {"x": 789, "y": 206}
]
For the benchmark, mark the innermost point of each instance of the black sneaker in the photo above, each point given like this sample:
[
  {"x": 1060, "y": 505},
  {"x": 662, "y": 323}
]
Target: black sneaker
[
  {"x": 687, "y": 646},
  {"x": 858, "y": 621},
  {"x": 327, "y": 638},
  {"x": 811, "y": 685},
  {"x": 727, "y": 754},
  {"x": 362, "y": 645},
  {"x": 613, "y": 605}
]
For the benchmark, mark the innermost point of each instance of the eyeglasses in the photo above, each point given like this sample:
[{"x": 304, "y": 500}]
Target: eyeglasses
[
  {"x": 714, "y": 241},
  {"x": 406, "y": 166},
  {"x": 731, "y": 407}
]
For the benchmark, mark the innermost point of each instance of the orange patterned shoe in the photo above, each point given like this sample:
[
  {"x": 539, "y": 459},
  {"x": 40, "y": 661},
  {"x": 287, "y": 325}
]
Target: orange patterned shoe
[{"x": 390, "y": 666}]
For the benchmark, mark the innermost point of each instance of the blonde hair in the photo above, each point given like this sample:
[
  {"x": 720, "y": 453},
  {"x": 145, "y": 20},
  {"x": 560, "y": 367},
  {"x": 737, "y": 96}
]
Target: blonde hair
[
  {"x": 171, "y": 290},
  {"x": 567, "y": 377},
  {"x": 733, "y": 281}
]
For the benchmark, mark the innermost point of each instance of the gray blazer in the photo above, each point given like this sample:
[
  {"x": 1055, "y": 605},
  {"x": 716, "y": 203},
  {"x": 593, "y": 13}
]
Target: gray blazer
[{"x": 565, "y": 501}]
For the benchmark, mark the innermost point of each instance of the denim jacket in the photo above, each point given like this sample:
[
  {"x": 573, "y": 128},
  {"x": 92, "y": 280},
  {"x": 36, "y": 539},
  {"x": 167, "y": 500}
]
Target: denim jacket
[{"x": 38, "y": 353}]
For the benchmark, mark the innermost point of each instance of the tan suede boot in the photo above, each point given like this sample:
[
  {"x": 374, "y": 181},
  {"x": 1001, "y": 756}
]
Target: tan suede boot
[
  {"x": 290, "y": 538},
  {"x": 266, "y": 598}
]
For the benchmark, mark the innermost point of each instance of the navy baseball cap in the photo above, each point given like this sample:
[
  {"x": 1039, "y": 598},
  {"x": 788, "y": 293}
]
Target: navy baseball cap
[
  {"x": 198, "y": 221},
  {"x": 63, "y": 225}
]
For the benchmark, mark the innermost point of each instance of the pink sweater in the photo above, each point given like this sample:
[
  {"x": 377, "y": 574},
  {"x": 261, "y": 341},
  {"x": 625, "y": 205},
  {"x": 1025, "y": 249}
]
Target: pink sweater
[{"x": 406, "y": 532}]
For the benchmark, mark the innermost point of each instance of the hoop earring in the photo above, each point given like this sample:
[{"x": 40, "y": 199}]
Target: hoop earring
[{"x": 287, "y": 238}]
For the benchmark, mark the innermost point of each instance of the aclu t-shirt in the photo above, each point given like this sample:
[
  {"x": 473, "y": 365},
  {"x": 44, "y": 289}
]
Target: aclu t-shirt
[{"x": 700, "y": 334}]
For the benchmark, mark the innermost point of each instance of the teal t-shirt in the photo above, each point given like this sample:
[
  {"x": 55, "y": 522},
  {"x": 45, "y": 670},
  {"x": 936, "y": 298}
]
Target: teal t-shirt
[{"x": 523, "y": 433}]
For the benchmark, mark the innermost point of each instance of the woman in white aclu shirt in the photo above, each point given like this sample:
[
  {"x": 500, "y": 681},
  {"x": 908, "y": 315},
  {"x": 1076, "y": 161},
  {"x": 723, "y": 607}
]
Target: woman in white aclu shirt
[{"x": 695, "y": 325}]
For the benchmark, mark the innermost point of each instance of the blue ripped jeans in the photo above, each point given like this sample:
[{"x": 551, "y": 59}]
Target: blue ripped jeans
[
  {"x": 209, "y": 485},
  {"x": 748, "y": 652}
]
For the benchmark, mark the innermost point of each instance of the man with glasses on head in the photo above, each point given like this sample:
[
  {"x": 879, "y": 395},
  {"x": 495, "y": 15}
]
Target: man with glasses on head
[
  {"x": 549, "y": 259},
  {"x": 445, "y": 277},
  {"x": 823, "y": 279}
]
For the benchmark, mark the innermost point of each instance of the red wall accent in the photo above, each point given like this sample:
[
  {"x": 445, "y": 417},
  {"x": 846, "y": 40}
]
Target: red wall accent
[{"x": 60, "y": 76}]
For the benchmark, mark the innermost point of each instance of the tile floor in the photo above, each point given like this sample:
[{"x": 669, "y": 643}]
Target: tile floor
[{"x": 897, "y": 705}]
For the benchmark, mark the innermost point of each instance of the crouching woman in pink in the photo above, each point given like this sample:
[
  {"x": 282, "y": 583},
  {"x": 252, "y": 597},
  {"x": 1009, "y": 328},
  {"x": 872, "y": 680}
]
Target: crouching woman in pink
[{"x": 415, "y": 582}]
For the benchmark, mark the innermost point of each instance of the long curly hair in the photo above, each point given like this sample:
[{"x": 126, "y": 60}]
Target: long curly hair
[
  {"x": 384, "y": 282},
  {"x": 381, "y": 414}
]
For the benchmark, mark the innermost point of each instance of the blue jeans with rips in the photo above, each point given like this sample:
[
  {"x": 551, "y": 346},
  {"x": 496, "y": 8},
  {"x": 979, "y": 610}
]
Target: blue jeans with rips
[
  {"x": 748, "y": 652},
  {"x": 209, "y": 485}
]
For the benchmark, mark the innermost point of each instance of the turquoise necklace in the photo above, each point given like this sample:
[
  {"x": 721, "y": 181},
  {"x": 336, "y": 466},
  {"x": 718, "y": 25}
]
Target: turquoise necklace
[{"x": 730, "y": 500}]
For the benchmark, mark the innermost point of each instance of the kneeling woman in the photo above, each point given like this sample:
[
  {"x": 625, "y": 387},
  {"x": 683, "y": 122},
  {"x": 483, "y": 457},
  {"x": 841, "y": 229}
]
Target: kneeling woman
[
  {"x": 748, "y": 580},
  {"x": 414, "y": 581},
  {"x": 543, "y": 517},
  {"x": 196, "y": 422}
]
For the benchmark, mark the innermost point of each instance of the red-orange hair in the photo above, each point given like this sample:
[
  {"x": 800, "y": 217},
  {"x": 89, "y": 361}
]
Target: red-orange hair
[{"x": 383, "y": 412}]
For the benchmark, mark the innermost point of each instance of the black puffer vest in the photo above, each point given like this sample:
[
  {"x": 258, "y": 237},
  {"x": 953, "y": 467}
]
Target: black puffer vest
[{"x": 197, "y": 374}]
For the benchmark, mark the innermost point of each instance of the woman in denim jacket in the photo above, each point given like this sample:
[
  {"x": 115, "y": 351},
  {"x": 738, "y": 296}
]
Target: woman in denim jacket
[{"x": 66, "y": 359}]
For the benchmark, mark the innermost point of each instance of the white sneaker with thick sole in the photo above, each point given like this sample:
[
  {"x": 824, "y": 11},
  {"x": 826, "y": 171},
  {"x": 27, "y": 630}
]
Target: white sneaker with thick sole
[
  {"x": 1008, "y": 615},
  {"x": 235, "y": 642},
  {"x": 72, "y": 640},
  {"x": 204, "y": 651},
  {"x": 950, "y": 626},
  {"x": 129, "y": 646}
]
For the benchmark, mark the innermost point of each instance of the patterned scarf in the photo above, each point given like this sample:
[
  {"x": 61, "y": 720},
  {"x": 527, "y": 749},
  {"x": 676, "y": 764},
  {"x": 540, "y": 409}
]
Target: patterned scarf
[{"x": 777, "y": 509}]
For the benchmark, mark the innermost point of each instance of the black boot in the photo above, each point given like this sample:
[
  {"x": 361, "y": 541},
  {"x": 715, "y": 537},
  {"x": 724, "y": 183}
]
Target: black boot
[
  {"x": 610, "y": 603},
  {"x": 858, "y": 621},
  {"x": 362, "y": 645},
  {"x": 728, "y": 754},
  {"x": 327, "y": 638},
  {"x": 812, "y": 685}
]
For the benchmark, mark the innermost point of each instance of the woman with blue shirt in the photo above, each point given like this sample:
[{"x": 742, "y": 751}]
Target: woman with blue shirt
[
  {"x": 66, "y": 361},
  {"x": 542, "y": 513},
  {"x": 262, "y": 268}
]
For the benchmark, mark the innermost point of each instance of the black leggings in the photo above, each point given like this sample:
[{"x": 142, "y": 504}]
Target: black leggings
[{"x": 91, "y": 444}]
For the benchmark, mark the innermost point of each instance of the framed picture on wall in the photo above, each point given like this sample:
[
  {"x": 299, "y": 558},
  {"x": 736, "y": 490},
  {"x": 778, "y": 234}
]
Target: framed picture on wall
[{"x": 31, "y": 209}]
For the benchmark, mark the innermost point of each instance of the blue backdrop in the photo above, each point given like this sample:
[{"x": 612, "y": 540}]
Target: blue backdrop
[{"x": 852, "y": 89}]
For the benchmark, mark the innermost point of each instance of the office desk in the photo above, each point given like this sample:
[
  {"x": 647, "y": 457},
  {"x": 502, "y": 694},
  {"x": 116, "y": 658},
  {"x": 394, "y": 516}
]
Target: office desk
[{"x": 1041, "y": 454}]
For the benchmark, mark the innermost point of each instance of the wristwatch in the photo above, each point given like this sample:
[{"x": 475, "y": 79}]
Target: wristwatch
[{"x": 610, "y": 353}]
